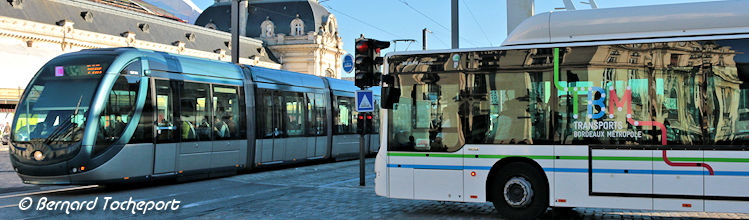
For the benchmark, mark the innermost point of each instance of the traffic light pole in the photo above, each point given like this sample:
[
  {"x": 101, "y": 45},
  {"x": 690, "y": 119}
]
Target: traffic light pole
[
  {"x": 367, "y": 74},
  {"x": 361, "y": 151}
]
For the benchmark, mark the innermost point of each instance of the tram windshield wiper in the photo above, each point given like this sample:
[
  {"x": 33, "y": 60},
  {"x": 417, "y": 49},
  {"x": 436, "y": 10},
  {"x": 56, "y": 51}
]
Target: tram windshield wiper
[{"x": 63, "y": 128}]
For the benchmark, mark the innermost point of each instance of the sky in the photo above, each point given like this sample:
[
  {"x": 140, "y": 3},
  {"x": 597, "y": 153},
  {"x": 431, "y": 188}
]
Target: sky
[{"x": 482, "y": 22}]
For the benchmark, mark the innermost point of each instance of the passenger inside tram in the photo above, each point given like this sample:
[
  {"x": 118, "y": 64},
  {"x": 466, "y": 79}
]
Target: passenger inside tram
[{"x": 220, "y": 129}]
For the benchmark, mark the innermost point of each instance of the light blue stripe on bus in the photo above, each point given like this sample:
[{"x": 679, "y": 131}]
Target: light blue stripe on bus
[
  {"x": 438, "y": 167},
  {"x": 580, "y": 170}
]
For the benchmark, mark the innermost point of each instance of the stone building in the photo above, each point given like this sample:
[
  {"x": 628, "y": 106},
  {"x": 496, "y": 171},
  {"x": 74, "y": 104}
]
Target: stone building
[
  {"x": 33, "y": 32},
  {"x": 302, "y": 34}
]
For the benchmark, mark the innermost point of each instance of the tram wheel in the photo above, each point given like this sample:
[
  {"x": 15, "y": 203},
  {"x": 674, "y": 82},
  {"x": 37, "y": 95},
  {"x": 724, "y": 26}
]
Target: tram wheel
[{"x": 520, "y": 191}]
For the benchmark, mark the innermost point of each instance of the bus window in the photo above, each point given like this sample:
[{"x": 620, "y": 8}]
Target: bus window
[
  {"x": 726, "y": 106},
  {"x": 509, "y": 108},
  {"x": 584, "y": 116},
  {"x": 426, "y": 118}
]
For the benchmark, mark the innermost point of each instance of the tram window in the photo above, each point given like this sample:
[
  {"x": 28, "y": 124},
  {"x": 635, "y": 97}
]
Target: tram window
[
  {"x": 119, "y": 107},
  {"x": 315, "y": 114},
  {"x": 294, "y": 117},
  {"x": 264, "y": 108},
  {"x": 144, "y": 131},
  {"x": 345, "y": 117},
  {"x": 167, "y": 127},
  {"x": 226, "y": 112},
  {"x": 195, "y": 112},
  {"x": 320, "y": 114},
  {"x": 241, "y": 118}
]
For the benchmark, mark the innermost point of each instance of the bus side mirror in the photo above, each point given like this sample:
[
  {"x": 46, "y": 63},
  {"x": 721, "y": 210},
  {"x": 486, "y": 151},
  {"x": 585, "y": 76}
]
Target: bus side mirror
[{"x": 390, "y": 96}]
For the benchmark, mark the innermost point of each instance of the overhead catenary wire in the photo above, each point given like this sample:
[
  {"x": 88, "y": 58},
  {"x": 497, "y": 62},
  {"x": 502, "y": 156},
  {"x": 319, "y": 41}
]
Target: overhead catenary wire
[
  {"x": 363, "y": 22},
  {"x": 435, "y": 21},
  {"x": 477, "y": 23}
]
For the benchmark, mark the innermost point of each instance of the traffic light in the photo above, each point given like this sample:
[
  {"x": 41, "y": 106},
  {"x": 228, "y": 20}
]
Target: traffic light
[
  {"x": 368, "y": 61},
  {"x": 364, "y": 118}
]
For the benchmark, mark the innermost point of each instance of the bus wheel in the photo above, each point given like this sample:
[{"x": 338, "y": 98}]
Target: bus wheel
[{"x": 520, "y": 191}]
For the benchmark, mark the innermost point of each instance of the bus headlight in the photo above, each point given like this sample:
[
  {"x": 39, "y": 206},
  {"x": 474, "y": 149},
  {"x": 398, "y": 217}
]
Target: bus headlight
[{"x": 38, "y": 156}]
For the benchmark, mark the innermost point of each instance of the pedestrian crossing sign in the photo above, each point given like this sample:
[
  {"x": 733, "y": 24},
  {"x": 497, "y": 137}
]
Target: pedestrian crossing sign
[{"x": 364, "y": 101}]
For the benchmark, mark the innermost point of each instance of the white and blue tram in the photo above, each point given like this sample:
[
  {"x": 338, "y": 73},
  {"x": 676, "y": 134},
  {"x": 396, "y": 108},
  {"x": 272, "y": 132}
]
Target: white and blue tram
[{"x": 125, "y": 114}]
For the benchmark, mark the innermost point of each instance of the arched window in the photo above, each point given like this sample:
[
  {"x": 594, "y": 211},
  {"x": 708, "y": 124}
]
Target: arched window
[
  {"x": 329, "y": 73},
  {"x": 332, "y": 24},
  {"x": 297, "y": 26},
  {"x": 267, "y": 28}
]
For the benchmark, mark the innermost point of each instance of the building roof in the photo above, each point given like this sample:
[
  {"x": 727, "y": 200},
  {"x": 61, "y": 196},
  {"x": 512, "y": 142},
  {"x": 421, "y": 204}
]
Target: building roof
[
  {"x": 111, "y": 20},
  {"x": 280, "y": 12},
  {"x": 139, "y": 6},
  {"x": 640, "y": 22}
]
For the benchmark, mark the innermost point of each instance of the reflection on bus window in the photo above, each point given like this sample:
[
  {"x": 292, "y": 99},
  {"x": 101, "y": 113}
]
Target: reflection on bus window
[{"x": 426, "y": 116}]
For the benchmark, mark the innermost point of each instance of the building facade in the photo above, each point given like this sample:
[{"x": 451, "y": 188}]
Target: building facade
[
  {"x": 302, "y": 34},
  {"x": 33, "y": 32}
]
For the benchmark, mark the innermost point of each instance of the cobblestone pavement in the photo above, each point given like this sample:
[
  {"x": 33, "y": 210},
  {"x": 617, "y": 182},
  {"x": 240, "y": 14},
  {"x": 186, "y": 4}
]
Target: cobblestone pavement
[{"x": 318, "y": 191}]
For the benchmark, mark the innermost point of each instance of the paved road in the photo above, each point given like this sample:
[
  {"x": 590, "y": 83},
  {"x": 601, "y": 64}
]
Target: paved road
[{"x": 322, "y": 191}]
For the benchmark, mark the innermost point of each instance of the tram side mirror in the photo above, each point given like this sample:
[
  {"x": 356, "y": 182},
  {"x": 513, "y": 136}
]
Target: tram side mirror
[{"x": 390, "y": 96}]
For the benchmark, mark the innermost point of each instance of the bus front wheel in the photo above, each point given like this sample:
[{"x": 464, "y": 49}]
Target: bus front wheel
[{"x": 520, "y": 191}]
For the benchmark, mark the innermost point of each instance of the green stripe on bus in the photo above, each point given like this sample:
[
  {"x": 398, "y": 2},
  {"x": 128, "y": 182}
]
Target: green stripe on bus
[
  {"x": 423, "y": 155},
  {"x": 538, "y": 157},
  {"x": 546, "y": 157}
]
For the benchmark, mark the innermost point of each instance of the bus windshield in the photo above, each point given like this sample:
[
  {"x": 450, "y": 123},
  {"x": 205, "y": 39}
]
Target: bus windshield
[{"x": 56, "y": 102}]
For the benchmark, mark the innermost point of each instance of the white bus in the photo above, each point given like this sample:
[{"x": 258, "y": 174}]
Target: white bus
[{"x": 629, "y": 108}]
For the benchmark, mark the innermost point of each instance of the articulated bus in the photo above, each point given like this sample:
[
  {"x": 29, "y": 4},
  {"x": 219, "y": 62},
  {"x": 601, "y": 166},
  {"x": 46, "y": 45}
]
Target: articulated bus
[
  {"x": 121, "y": 115},
  {"x": 631, "y": 108}
]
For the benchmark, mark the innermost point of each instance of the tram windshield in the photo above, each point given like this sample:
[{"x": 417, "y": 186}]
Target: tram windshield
[{"x": 57, "y": 101}]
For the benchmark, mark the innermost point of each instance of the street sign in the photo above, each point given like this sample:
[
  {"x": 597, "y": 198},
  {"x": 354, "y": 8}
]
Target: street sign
[
  {"x": 348, "y": 63},
  {"x": 364, "y": 101}
]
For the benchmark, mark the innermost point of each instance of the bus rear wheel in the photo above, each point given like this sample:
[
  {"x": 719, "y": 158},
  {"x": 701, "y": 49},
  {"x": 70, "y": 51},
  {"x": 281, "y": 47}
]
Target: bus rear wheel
[{"x": 520, "y": 191}]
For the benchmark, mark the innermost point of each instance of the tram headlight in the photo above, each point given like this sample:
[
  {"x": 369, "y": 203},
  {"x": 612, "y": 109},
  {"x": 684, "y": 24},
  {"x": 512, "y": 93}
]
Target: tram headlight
[{"x": 38, "y": 155}]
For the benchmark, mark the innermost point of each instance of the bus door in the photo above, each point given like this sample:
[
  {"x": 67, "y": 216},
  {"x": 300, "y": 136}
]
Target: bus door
[
  {"x": 424, "y": 161},
  {"x": 165, "y": 143}
]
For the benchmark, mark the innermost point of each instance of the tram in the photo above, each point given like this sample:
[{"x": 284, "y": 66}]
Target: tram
[{"x": 124, "y": 114}]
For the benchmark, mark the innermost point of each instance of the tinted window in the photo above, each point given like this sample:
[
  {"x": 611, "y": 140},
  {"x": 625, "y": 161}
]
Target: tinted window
[
  {"x": 167, "y": 125},
  {"x": 119, "y": 107},
  {"x": 345, "y": 116},
  {"x": 294, "y": 109},
  {"x": 226, "y": 108},
  {"x": 315, "y": 114},
  {"x": 265, "y": 114},
  {"x": 144, "y": 131},
  {"x": 195, "y": 112},
  {"x": 426, "y": 118},
  {"x": 508, "y": 107}
]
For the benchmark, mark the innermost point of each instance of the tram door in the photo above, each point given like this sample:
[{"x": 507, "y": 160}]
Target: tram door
[
  {"x": 165, "y": 143},
  {"x": 272, "y": 145}
]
